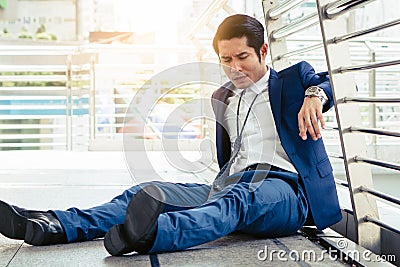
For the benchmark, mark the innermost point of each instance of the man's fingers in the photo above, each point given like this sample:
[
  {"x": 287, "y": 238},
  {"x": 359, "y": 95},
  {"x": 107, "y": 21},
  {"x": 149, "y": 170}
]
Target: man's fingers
[
  {"x": 309, "y": 117},
  {"x": 311, "y": 123},
  {"x": 302, "y": 127},
  {"x": 310, "y": 127},
  {"x": 321, "y": 120},
  {"x": 315, "y": 126}
]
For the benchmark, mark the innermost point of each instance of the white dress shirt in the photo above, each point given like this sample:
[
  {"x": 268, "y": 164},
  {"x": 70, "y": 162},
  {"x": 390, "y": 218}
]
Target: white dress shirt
[{"x": 260, "y": 141}]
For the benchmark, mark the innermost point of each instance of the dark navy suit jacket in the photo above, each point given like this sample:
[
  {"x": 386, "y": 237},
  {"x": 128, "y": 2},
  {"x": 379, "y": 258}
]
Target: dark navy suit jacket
[{"x": 286, "y": 94}]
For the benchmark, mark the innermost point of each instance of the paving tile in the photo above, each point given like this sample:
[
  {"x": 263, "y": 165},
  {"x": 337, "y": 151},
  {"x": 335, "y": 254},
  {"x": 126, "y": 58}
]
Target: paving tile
[
  {"x": 246, "y": 250},
  {"x": 8, "y": 248},
  {"x": 90, "y": 253}
]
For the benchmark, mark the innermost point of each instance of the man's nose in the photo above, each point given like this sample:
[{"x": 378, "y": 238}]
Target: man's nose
[{"x": 236, "y": 66}]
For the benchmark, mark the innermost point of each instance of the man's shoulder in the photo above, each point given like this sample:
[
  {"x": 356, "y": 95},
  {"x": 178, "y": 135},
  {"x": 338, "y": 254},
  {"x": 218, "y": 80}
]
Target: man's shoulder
[
  {"x": 302, "y": 65},
  {"x": 222, "y": 90}
]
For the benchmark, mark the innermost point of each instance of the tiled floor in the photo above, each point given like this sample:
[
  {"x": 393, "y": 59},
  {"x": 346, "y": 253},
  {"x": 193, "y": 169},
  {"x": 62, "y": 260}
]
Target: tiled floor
[{"x": 58, "y": 180}]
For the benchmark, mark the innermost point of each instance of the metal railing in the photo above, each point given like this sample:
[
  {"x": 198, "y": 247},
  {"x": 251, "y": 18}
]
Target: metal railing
[
  {"x": 76, "y": 97},
  {"x": 41, "y": 93},
  {"x": 353, "y": 105}
]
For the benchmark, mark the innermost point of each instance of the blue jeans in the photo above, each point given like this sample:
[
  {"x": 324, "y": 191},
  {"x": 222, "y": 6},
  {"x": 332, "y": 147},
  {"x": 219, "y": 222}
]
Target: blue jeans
[{"x": 268, "y": 208}]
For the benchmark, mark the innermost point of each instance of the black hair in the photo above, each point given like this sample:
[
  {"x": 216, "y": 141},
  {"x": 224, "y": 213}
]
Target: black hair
[{"x": 238, "y": 26}]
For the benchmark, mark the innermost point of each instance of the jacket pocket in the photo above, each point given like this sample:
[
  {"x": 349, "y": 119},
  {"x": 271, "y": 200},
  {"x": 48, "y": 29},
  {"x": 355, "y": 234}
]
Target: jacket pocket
[{"x": 324, "y": 168}]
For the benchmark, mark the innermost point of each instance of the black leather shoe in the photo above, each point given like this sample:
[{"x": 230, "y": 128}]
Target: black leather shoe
[
  {"x": 35, "y": 227},
  {"x": 43, "y": 228},
  {"x": 138, "y": 232},
  {"x": 12, "y": 223}
]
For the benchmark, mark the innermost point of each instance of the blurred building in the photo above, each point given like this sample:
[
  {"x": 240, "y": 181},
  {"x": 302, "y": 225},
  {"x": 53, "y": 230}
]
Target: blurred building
[{"x": 74, "y": 20}]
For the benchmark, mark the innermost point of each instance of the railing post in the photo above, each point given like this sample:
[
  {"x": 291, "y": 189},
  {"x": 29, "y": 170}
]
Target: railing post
[
  {"x": 92, "y": 100},
  {"x": 372, "y": 93},
  {"x": 343, "y": 85},
  {"x": 68, "y": 105}
]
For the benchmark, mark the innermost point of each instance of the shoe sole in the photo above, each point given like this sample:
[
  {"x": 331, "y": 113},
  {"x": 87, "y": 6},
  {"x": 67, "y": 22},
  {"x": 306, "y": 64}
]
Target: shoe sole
[
  {"x": 34, "y": 233},
  {"x": 115, "y": 243},
  {"x": 12, "y": 225},
  {"x": 120, "y": 239}
]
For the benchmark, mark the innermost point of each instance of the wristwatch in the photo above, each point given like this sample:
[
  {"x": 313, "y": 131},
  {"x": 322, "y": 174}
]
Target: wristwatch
[{"x": 315, "y": 91}]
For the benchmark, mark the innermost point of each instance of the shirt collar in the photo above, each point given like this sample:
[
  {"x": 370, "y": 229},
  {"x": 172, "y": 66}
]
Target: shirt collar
[{"x": 262, "y": 83}]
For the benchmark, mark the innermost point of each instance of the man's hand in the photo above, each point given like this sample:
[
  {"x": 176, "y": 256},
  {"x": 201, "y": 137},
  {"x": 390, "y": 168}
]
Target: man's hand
[{"x": 308, "y": 117}]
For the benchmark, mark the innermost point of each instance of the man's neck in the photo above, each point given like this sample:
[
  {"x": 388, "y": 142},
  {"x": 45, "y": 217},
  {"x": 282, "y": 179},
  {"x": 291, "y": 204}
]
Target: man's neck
[{"x": 262, "y": 83}]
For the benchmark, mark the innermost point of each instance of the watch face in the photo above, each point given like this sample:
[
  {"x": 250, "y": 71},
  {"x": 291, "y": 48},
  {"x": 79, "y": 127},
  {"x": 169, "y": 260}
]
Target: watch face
[{"x": 313, "y": 90}]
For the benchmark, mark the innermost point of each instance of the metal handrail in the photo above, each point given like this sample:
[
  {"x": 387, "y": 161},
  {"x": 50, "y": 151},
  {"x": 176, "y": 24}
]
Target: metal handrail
[
  {"x": 381, "y": 195},
  {"x": 381, "y": 224},
  {"x": 342, "y": 183},
  {"x": 352, "y": 35},
  {"x": 318, "y": 44},
  {"x": 379, "y": 163},
  {"x": 366, "y": 130},
  {"x": 372, "y": 131},
  {"x": 341, "y": 7},
  {"x": 277, "y": 11},
  {"x": 366, "y": 66},
  {"x": 335, "y": 155},
  {"x": 369, "y": 100},
  {"x": 295, "y": 26},
  {"x": 300, "y": 51}
]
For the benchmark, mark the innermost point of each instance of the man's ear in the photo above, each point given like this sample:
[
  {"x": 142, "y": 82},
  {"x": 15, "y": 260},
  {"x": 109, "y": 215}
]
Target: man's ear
[{"x": 264, "y": 50}]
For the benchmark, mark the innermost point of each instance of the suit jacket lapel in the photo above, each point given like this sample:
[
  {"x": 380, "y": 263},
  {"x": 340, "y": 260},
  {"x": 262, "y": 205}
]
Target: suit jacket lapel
[
  {"x": 275, "y": 94},
  {"x": 219, "y": 105},
  {"x": 221, "y": 101}
]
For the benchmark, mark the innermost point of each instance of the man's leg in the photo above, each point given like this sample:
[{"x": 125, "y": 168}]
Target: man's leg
[
  {"x": 87, "y": 224},
  {"x": 272, "y": 209},
  {"x": 138, "y": 231}
]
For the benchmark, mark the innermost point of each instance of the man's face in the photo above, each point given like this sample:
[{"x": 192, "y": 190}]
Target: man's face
[{"x": 240, "y": 62}]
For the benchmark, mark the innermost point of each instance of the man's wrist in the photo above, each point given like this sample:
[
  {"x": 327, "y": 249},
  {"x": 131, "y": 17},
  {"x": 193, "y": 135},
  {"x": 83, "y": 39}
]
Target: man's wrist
[{"x": 315, "y": 91}]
